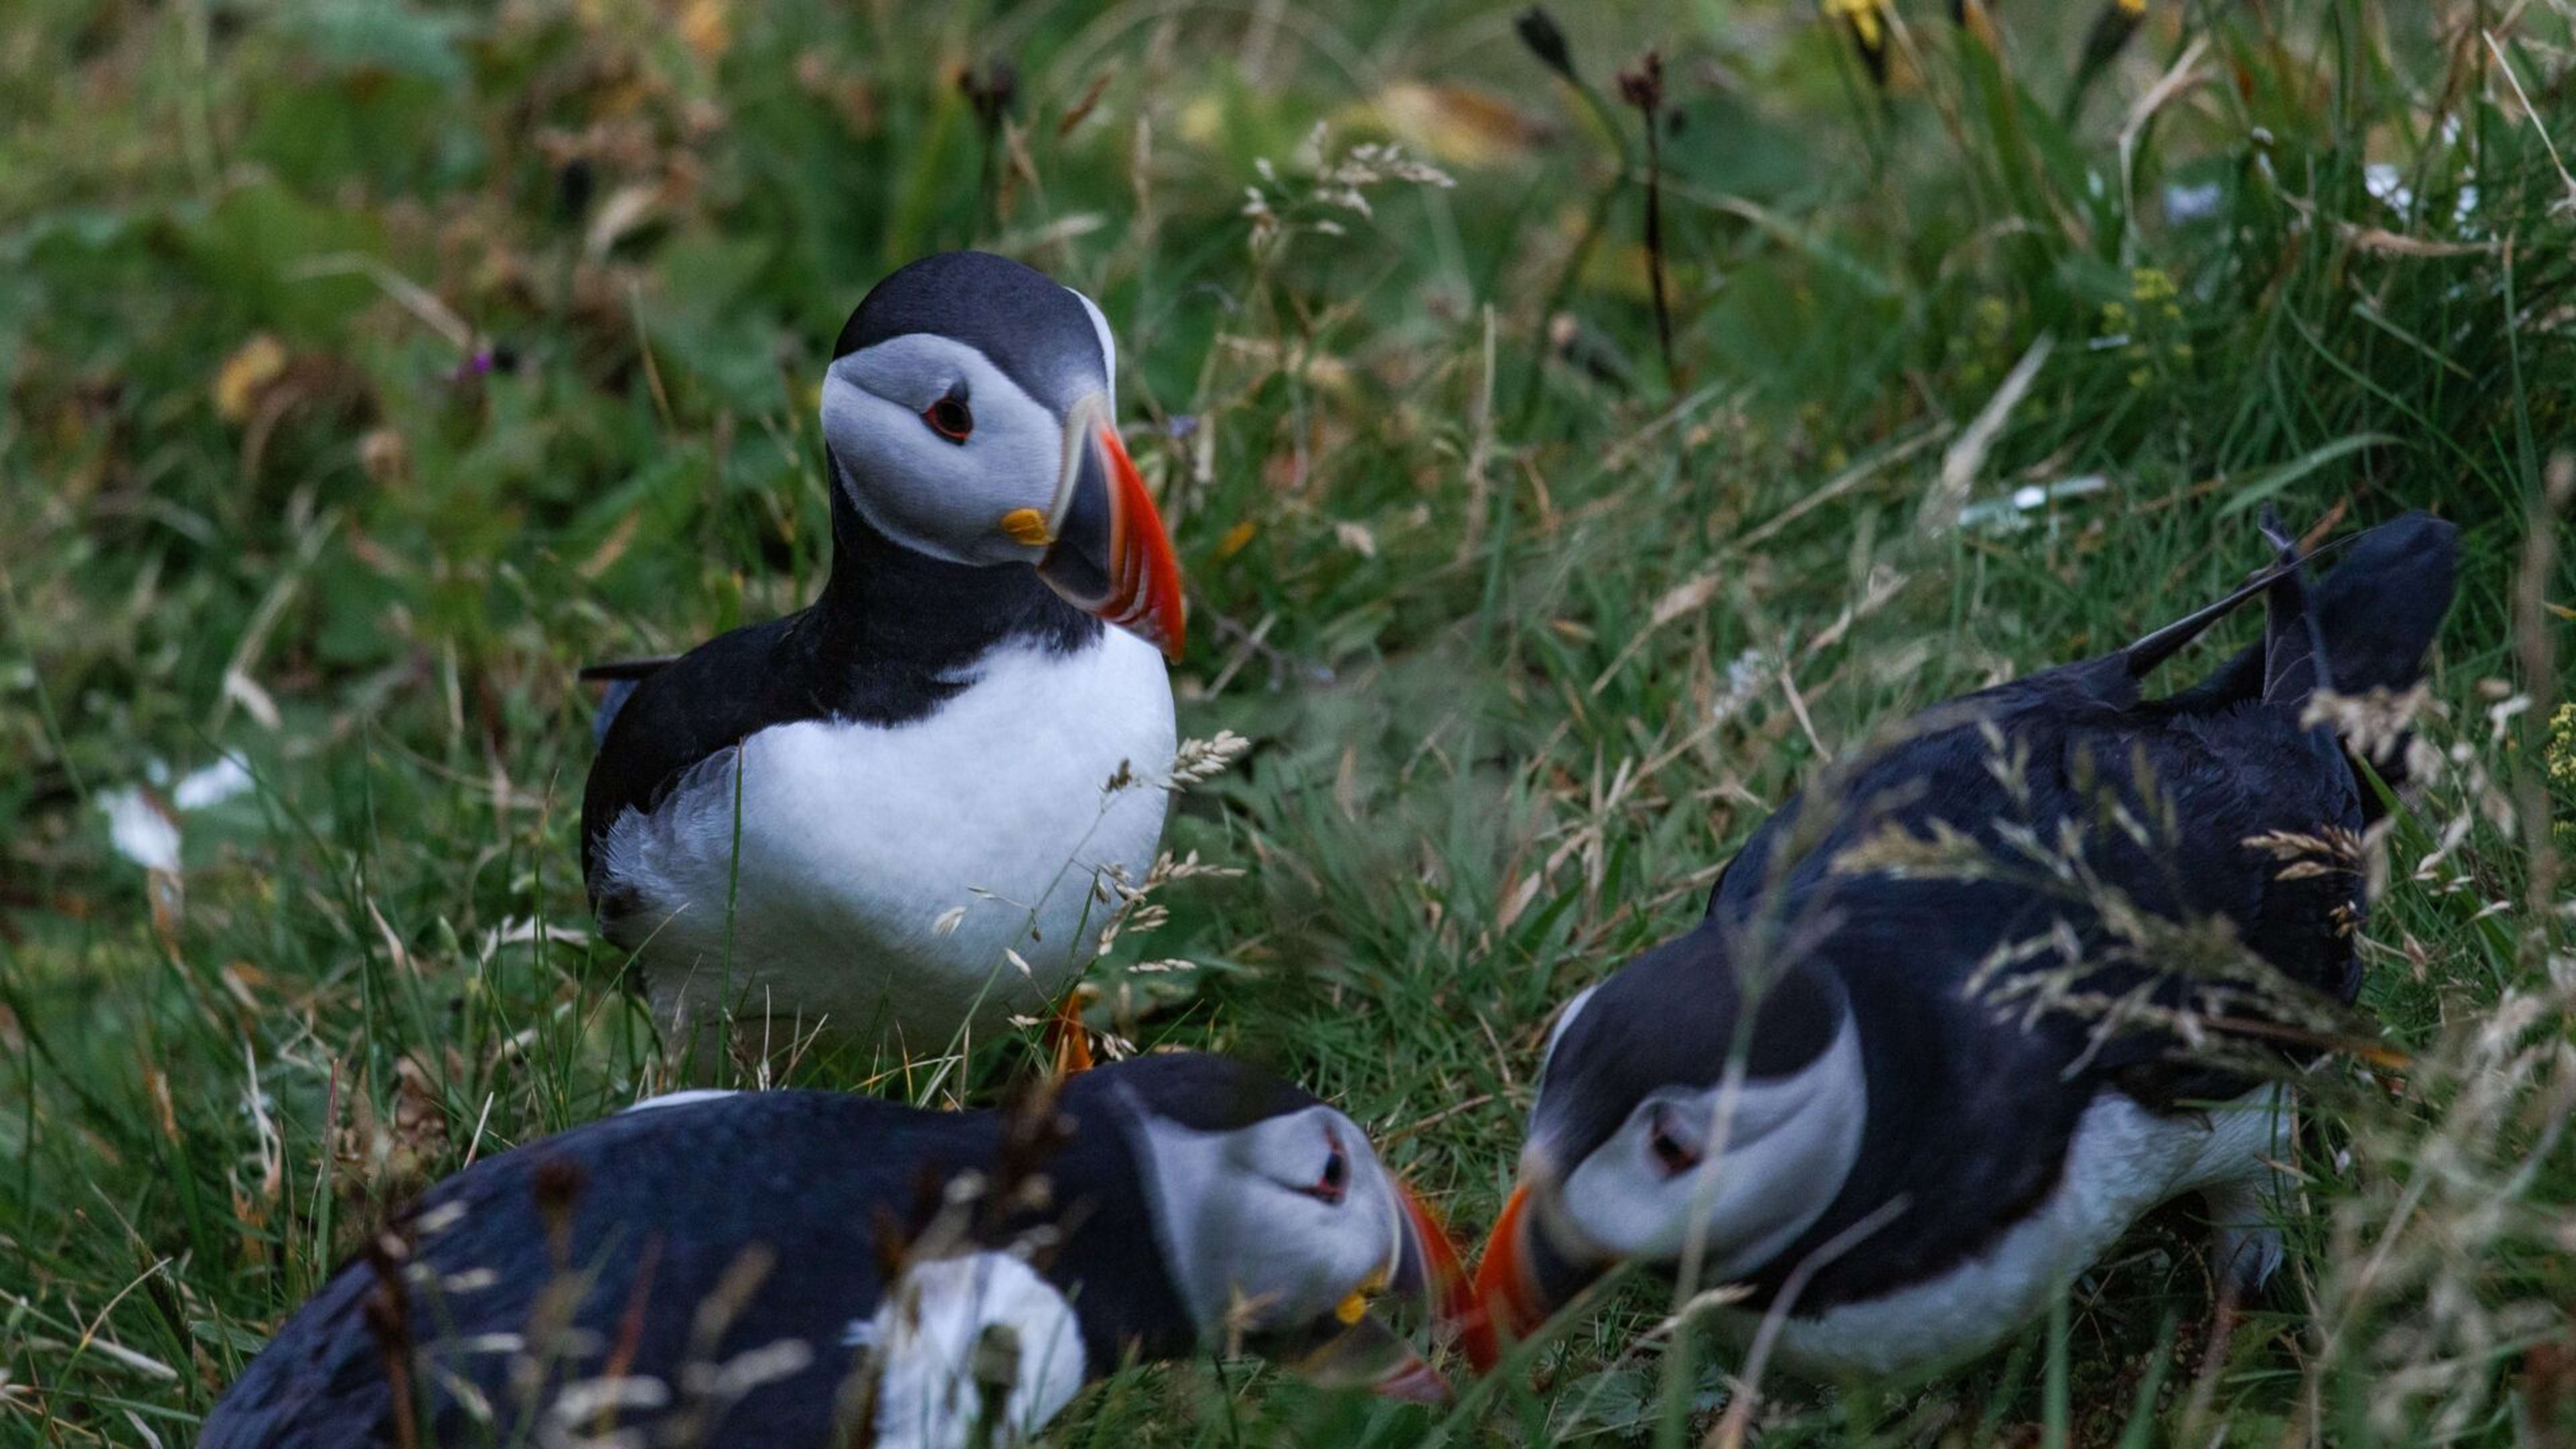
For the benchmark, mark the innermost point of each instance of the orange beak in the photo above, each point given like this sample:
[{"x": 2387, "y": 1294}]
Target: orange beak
[
  {"x": 1528, "y": 1273},
  {"x": 1355, "y": 1349},
  {"x": 1109, "y": 555},
  {"x": 1508, "y": 1303},
  {"x": 1412, "y": 1380},
  {"x": 1444, "y": 1271}
]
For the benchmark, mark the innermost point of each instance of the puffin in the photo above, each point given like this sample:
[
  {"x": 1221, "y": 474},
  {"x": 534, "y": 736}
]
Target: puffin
[
  {"x": 902, "y": 814},
  {"x": 799, "y": 1267},
  {"x": 2038, "y": 960}
]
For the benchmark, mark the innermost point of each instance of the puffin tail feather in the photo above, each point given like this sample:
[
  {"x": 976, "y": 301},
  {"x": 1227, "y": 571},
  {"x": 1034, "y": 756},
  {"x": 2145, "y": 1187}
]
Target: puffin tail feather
[
  {"x": 2141, "y": 657},
  {"x": 621, "y": 676},
  {"x": 629, "y": 670},
  {"x": 2374, "y": 617},
  {"x": 2365, "y": 628},
  {"x": 611, "y": 700},
  {"x": 2294, "y": 653}
]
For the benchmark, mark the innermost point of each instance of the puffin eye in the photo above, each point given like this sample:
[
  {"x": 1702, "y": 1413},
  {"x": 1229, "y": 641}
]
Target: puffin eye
[
  {"x": 1673, "y": 1153},
  {"x": 950, "y": 418},
  {"x": 1336, "y": 1178}
]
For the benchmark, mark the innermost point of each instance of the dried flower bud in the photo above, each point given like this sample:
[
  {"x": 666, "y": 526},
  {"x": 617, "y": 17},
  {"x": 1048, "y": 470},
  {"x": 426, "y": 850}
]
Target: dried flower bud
[
  {"x": 1643, "y": 87},
  {"x": 991, "y": 90},
  {"x": 575, "y": 184},
  {"x": 1539, "y": 32}
]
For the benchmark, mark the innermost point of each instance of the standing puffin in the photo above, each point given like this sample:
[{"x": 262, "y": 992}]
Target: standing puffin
[
  {"x": 1919, "y": 1064},
  {"x": 801, "y": 1268},
  {"x": 889, "y": 813}
]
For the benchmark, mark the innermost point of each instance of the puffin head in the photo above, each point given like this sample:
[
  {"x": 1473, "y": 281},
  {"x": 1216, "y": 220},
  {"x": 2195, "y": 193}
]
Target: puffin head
[
  {"x": 1279, "y": 1227},
  {"x": 968, "y": 414},
  {"x": 1690, "y": 1107}
]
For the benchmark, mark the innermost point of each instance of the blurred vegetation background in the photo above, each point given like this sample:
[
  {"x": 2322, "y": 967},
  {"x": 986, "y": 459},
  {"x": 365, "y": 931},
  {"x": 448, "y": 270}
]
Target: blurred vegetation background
[{"x": 369, "y": 364}]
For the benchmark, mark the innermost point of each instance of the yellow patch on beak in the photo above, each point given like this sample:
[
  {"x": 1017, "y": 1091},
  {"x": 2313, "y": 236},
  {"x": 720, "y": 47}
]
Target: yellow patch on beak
[
  {"x": 1027, "y": 526},
  {"x": 1354, "y": 1308}
]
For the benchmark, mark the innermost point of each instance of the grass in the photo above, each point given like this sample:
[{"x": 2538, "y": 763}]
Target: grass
[{"x": 370, "y": 365}]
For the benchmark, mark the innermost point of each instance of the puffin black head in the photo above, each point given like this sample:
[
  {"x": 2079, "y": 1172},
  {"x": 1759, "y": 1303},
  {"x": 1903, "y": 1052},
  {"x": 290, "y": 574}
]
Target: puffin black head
[
  {"x": 1276, "y": 1222},
  {"x": 968, "y": 413},
  {"x": 1646, "y": 1142}
]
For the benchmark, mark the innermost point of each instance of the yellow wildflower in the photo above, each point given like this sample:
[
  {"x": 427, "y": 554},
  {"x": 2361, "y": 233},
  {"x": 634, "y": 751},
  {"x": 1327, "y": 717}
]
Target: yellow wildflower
[{"x": 1866, "y": 18}]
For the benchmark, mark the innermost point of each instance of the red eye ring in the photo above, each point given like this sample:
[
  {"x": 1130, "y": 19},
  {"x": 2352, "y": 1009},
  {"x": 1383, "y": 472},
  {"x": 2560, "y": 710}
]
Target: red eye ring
[{"x": 950, "y": 418}]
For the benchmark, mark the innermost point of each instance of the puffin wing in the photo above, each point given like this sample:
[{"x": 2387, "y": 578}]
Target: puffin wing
[
  {"x": 2369, "y": 627},
  {"x": 629, "y": 670},
  {"x": 682, "y": 712},
  {"x": 621, "y": 676},
  {"x": 703, "y": 1230}
]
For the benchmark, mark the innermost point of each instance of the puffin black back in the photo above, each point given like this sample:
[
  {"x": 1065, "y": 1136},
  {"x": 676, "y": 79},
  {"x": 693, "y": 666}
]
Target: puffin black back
[
  {"x": 660, "y": 1204},
  {"x": 1201, "y": 1091},
  {"x": 780, "y": 1213}
]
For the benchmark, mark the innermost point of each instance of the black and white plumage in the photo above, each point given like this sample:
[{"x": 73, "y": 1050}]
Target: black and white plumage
[
  {"x": 889, "y": 812},
  {"x": 1922, "y": 1145},
  {"x": 788, "y": 1268}
]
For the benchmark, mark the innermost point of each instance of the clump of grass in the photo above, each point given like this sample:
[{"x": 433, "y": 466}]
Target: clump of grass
[{"x": 522, "y": 312}]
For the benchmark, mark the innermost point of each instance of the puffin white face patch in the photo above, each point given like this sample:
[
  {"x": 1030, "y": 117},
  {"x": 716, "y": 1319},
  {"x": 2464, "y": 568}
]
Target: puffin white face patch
[
  {"x": 1556, "y": 1034},
  {"x": 1108, "y": 344},
  {"x": 941, "y": 495},
  {"x": 1270, "y": 1225},
  {"x": 681, "y": 1098},
  {"x": 1744, "y": 1172}
]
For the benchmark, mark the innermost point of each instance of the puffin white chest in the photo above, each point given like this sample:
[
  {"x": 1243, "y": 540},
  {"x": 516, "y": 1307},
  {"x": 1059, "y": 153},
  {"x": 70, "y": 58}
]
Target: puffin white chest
[
  {"x": 884, "y": 878},
  {"x": 969, "y": 1350},
  {"x": 2123, "y": 1161}
]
